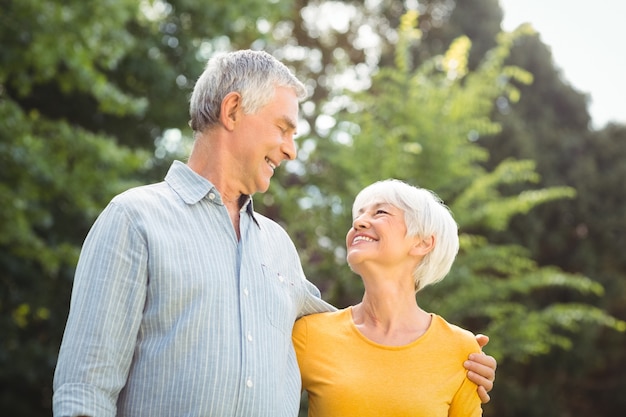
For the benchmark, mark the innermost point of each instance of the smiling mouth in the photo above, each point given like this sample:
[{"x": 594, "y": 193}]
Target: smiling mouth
[
  {"x": 362, "y": 238},
  {"x": 271, "y": 164}
]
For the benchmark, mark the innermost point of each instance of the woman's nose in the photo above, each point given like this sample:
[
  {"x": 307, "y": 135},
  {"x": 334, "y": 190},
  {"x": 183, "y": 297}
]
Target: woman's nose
[{"x": 359, "y": 223}]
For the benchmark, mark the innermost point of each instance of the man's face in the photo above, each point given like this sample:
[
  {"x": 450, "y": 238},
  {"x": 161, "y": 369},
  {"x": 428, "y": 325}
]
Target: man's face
[{"x": 265, "y": 139}]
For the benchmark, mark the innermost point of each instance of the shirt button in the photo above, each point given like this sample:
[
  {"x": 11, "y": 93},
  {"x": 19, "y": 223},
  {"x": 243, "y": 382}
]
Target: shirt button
[
  {"x": 245, "y": 291},
  {"x": 249, "y": 337},
  {"x": 280, "y": 278},
  {"x": 212, "y": 196},
  {"x": 249, "y": 383}
]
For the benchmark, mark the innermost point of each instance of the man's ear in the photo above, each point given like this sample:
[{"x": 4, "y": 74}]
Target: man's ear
[
  {"x": 423, "y": 245},
  {"x": 229, "y": 111}
]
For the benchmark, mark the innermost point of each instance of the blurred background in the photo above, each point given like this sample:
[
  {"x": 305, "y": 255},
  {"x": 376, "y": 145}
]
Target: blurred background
[{"x": 439, "y": 93}]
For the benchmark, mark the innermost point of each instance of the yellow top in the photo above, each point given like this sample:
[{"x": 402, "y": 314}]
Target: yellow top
[{"x": 346, "y": 374}]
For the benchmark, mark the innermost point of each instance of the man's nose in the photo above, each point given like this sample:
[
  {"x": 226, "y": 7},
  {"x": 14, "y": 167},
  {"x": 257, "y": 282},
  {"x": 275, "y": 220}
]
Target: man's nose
[{"x": 289, "y": 147}]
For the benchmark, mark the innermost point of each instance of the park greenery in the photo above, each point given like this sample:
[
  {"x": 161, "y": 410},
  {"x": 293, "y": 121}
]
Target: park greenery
[{"x": 94, "y": 98}]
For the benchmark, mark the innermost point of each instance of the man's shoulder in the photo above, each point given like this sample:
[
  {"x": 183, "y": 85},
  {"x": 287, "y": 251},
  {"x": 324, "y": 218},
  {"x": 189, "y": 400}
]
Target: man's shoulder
[
  {"x": 140, "y": 194},
  {"x": 267, "y": 224},
  {"x": 141, "y": 201}
]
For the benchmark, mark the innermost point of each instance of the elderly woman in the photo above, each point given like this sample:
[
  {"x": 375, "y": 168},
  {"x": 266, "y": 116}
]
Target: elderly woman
[{"x": 386, "y": 356}]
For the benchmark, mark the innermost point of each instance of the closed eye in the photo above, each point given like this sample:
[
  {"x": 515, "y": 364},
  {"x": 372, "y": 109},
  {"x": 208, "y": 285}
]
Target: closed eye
[{"x": 286, "y": 125}]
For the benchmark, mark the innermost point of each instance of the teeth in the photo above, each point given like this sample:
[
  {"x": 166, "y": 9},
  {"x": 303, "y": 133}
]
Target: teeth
[
  {"x": 365, "y": 238},
  {"x": 270, "y": 163}
]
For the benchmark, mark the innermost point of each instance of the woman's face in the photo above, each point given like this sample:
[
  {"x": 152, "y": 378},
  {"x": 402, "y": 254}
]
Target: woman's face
[{"x": 378, "y": 237}]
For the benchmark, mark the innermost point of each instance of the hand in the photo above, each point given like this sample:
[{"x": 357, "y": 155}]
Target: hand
[{"x": 482, "y": 370}]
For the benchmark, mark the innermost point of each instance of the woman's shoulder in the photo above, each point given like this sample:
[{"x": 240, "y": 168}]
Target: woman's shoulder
[
  {"x": 449, "y": 330},
  {"x": 316, "y": 326}
]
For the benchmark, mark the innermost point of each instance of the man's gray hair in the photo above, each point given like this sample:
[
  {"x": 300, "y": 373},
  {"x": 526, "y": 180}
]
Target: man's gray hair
[{"x": 253, "y": 74}]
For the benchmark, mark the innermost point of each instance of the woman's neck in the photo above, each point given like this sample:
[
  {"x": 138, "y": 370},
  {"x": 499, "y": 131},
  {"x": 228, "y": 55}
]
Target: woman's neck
[{"x": 390, "y": 317}]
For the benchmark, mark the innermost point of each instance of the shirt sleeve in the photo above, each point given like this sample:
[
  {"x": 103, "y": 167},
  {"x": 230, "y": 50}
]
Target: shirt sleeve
[
  {"x": 313, "y": 302},
  {"x": 466, "y": 402},
  {"x": 105, "y": 313}
]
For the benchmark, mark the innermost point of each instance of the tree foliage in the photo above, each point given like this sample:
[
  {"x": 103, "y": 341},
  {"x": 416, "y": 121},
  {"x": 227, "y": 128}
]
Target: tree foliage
[
  {"x": 550, "y": 125},
  {"x": 55, "y": 175}
]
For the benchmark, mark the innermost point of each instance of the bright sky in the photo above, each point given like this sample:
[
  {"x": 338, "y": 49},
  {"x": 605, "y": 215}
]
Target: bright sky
[{"x": 588, "y": 43}]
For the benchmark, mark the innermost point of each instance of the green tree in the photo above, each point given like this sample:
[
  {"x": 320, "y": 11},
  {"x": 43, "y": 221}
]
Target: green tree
[
  {"x": 55, "y": 175},
  {"x": 551, "y": 125}
]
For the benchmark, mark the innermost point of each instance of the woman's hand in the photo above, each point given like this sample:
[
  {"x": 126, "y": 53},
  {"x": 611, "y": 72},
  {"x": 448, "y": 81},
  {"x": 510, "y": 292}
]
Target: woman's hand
[{"x": 482, "y": 370}]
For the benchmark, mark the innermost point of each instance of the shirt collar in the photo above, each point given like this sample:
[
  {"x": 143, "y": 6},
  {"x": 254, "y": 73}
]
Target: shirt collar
[{"x": 192, "y": 188}]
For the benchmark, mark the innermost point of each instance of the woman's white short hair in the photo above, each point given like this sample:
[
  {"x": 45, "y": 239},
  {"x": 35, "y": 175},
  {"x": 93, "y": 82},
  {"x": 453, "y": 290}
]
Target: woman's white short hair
[
  {"x": 253, "y": 74},
  {"x": 425, "y": 215}
]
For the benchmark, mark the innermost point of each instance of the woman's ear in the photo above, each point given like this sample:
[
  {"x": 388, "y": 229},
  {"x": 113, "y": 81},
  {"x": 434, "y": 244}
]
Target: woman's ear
[
  {"x": 231, "y": 105},
  {"x": 423, "y": 245}
]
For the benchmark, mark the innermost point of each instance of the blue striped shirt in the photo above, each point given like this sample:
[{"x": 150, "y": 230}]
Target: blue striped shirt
[{"x": 172, "y": 315}]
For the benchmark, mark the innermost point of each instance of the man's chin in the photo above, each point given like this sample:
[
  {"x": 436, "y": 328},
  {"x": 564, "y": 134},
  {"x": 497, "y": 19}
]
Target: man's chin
[{"x": 263, "y": 187}]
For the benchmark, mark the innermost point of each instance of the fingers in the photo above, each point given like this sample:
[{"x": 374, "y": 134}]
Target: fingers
[
  {"x": 479, "y": 378},
  {"x": 481, "y": 371},
  {"x": 485, "y": 364},
  {"x": 484, "y": 396},
  {"x": 482, "y": 340}
]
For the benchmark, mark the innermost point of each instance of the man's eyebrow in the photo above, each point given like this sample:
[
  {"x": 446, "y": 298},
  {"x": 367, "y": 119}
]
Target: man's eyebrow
[{"x": 289, "y": 122}]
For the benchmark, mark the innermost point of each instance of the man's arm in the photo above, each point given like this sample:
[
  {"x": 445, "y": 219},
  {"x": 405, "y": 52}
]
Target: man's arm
[
  {"x": 105, "y": 311},
  {"x": 482, "y": 370}
]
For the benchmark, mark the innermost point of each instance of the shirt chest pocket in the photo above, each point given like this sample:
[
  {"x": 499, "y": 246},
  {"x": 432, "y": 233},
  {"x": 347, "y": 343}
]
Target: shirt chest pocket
[{"x": 280, "y": 299}]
